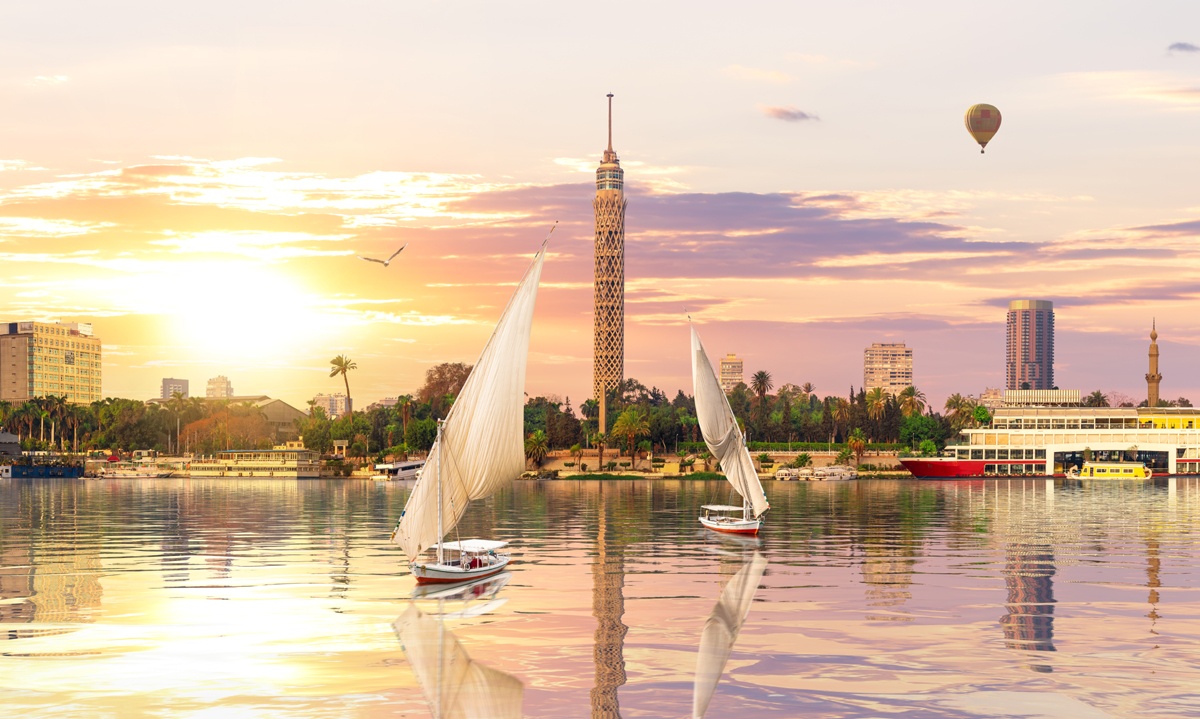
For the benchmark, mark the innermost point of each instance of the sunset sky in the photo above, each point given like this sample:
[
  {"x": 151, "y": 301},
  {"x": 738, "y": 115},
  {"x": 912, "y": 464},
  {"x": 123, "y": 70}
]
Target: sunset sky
[{"x": 197, "y": 180}]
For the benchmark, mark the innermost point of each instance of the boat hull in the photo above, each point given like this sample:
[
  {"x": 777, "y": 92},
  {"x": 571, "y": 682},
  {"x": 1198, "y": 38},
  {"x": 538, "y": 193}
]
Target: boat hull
[
  {"x": 946, "y": 468},
  {"x": 433, "y": 573},
  {"x": 732, "y": 526}
]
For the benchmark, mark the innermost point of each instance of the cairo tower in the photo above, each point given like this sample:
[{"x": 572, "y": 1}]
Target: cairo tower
[{"x": 608, "y": 337}]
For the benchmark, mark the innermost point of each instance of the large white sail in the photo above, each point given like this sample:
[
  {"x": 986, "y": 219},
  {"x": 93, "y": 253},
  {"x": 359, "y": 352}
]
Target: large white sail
[
  {"x": 456, "y": 686},
  {"x": 721, "y": 630},
  {"x": 720, "y": 430},
  {"x": 482, "y": 441}
]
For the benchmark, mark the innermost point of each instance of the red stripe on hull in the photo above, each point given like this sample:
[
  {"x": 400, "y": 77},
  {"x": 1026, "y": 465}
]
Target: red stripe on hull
[
  {"x": 735, "y": 531},
  {"x": 456, "y": 580}
]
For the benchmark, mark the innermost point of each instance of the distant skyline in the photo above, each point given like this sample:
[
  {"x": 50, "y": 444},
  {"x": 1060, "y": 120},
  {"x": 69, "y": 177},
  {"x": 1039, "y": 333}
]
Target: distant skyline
[{"x": 197, "y": 180}]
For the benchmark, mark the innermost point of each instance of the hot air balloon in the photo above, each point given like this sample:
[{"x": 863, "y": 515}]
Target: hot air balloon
[{"x": 982, "y": 122}]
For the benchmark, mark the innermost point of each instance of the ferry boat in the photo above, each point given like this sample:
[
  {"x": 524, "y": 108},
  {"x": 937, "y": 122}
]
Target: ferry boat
[
  {"x": 1111, "y": 470},
  {"x": 290, "y": 461},
  {"x": 1049, "y": 441},
  {"x": 410, "y": 469}
]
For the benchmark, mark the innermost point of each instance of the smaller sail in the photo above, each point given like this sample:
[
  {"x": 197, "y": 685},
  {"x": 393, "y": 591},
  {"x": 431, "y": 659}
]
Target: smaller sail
[
  {"x": 455, "y": 686},
  {"x": 721, "y": 630},
  {"x": 720, "y": 430},
  {"x": 482, "y": 443}
]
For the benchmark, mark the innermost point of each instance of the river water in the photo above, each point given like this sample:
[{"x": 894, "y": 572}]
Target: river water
[{"x": 1022, "y": 598}]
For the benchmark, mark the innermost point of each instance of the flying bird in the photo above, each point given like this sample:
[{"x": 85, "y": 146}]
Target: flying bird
[{"x": 386, "y": 262}]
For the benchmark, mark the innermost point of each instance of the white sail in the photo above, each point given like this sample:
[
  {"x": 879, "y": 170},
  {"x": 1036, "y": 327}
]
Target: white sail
[
  {"x": 721, "y": 630},
  {"x": 455, "y": 686},
  {"x": 720, "y": 430},
  {"x": 482, "y": 441}
]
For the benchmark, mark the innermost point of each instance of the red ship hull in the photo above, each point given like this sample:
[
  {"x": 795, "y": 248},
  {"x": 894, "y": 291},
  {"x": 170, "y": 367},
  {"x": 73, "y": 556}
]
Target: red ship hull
[{"x": 946, "y": 468}]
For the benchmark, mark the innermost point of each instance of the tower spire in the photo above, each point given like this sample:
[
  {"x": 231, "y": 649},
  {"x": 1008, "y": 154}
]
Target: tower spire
[
  {"x": 610, "y": 97},
  {"x": 1153, "y": 377}
]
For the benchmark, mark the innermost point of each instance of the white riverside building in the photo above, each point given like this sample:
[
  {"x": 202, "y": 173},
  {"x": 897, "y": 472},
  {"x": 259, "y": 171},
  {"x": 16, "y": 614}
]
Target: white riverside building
[{"x": 1047, "y": 441}]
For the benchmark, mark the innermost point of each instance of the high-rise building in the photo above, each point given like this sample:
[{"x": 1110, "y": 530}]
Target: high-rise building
[
  {"x": 170, "y": 386},
  {"x": 1153, "y": 378},
  {"x": 219, "y": 387},
  {"x": 41, "y": 358},
  {"x": 731, "y": 372},
  {"x": 1030, "y": 351},
  {"x": 888, "y": 365},
  {"x": 335, "y": 405},
  {"x": 608, "y": 338}
]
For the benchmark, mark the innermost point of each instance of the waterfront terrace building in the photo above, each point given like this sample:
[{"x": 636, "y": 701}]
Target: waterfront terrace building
[
  {"x": 732, "y": 372},
  {"x": 1047, "y": 441},
  {"x": 42, "y": 358},
  {"x": 1030, "y": 345},
  {"x": 889, "y": 366}
]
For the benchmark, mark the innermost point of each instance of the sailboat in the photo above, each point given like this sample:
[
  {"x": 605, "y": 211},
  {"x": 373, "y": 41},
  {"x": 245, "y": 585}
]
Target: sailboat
[
  {"x": 724, "y": 440},
  {"x": 479, "y": 448},
  {"x": 455, "y": 685},
  {"x": 721, "y": 630}
]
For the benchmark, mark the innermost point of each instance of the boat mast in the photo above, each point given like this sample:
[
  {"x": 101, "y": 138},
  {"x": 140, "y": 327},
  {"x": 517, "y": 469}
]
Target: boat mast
[{"x": 439, "y": 491}]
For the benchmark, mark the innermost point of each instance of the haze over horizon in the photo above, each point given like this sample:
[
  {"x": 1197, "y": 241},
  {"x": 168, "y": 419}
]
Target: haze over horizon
[{"x": 197, "y": 182}]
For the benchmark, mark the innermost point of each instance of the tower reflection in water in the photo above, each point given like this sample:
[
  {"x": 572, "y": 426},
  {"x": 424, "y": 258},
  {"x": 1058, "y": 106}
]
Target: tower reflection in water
[
  {"x": 608, "y": 606},
  {"x": 456, "y": 686},
  {"x": 1029, "y": 576}
]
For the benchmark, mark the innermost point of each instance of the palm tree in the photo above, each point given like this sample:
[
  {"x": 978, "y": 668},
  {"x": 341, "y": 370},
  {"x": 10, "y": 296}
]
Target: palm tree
[
  {"x": 807, "y": 388},
  {"x": 404, "y": 404},
  {"x": 600, "y": 439},
  {"x": 576, "y": 453},
  {"x": 1095, "y": 399},
  {"x": 536, "y": 447},
  {"x": 857, "y": 444},
  {"x": 341, "y": 365},
  {"x": 912, "y": 401},
  {"x": 760, "y": 384},
  {"x": 841, "y": 412},
  {"x": 706, "y": 457},
  {"x": 632, "y": 424},
  {"x": 876, "y": 403}
]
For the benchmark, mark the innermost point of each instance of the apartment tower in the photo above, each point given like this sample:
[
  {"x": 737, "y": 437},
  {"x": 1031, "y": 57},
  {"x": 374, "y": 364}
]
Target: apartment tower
[
  {"x": 732, "y": 372},
  {"x": 608, "y": 334},
  {"x": 38, "y": 359},
  {"x": 1030, "y": 350},
  {"x": 888, "y": 365},
  {"x": 171, "y": 385}
]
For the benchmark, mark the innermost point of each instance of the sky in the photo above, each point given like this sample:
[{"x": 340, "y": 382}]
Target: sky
[{"x": 197, "y": 180}]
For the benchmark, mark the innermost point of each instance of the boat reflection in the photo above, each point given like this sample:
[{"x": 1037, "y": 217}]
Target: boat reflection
[
  {"x": 721, "y": 630},
  {"x": 454, "y": 684}
]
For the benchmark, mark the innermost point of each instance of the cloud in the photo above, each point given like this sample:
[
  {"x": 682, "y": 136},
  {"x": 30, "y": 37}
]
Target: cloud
[
  {"x": 787, "y": 114},
  {"x": 754, "y": 74},
  {"x": 49, "y": 80},
  {"x": 1183, "y": 47}
]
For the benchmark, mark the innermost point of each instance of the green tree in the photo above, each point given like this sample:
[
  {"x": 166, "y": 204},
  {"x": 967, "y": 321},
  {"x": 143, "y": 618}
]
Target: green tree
[
  {"x": 981, "y": 415},
  {"x": 342, "y": 365},
  {"x": 857, "y": 444},
  {"x": 631, "y": 424},
  {"x": 928, "y": 448},
  {"x": 912, "y": 401},
  {"x": 421, "y": 434},
  {"x": 536, "y": 448}
]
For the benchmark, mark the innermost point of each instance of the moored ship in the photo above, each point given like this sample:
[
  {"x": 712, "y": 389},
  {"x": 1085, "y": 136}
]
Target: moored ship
[{"x": 1050, "y": 441}]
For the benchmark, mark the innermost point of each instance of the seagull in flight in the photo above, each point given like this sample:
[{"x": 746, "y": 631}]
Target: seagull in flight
[{"x": 386, "y": 262}]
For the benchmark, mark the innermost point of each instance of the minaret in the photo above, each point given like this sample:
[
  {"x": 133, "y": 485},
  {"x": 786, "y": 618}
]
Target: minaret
[
  {"x": 608, "y": 334},
  {"x": 1153, "y": 377}
]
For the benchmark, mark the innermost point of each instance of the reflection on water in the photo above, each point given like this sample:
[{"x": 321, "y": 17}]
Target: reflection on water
[
  {"x": 455, "y": 686},
  {"x": 721, "y": 631},
  {"x": 278, "y": 599}
]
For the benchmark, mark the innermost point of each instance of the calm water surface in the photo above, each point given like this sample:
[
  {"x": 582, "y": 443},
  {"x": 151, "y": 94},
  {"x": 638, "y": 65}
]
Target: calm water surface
[{"x": 178, "y": 598}]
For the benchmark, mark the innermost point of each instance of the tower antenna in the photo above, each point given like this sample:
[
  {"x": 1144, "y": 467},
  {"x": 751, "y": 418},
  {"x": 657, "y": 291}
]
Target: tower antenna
[{"x": 610, "y": 97}]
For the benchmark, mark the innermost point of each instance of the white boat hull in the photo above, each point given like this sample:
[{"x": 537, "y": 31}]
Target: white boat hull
[
  {"x": 732, "y": 525},
  {"x": 451, "y": 572}
]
